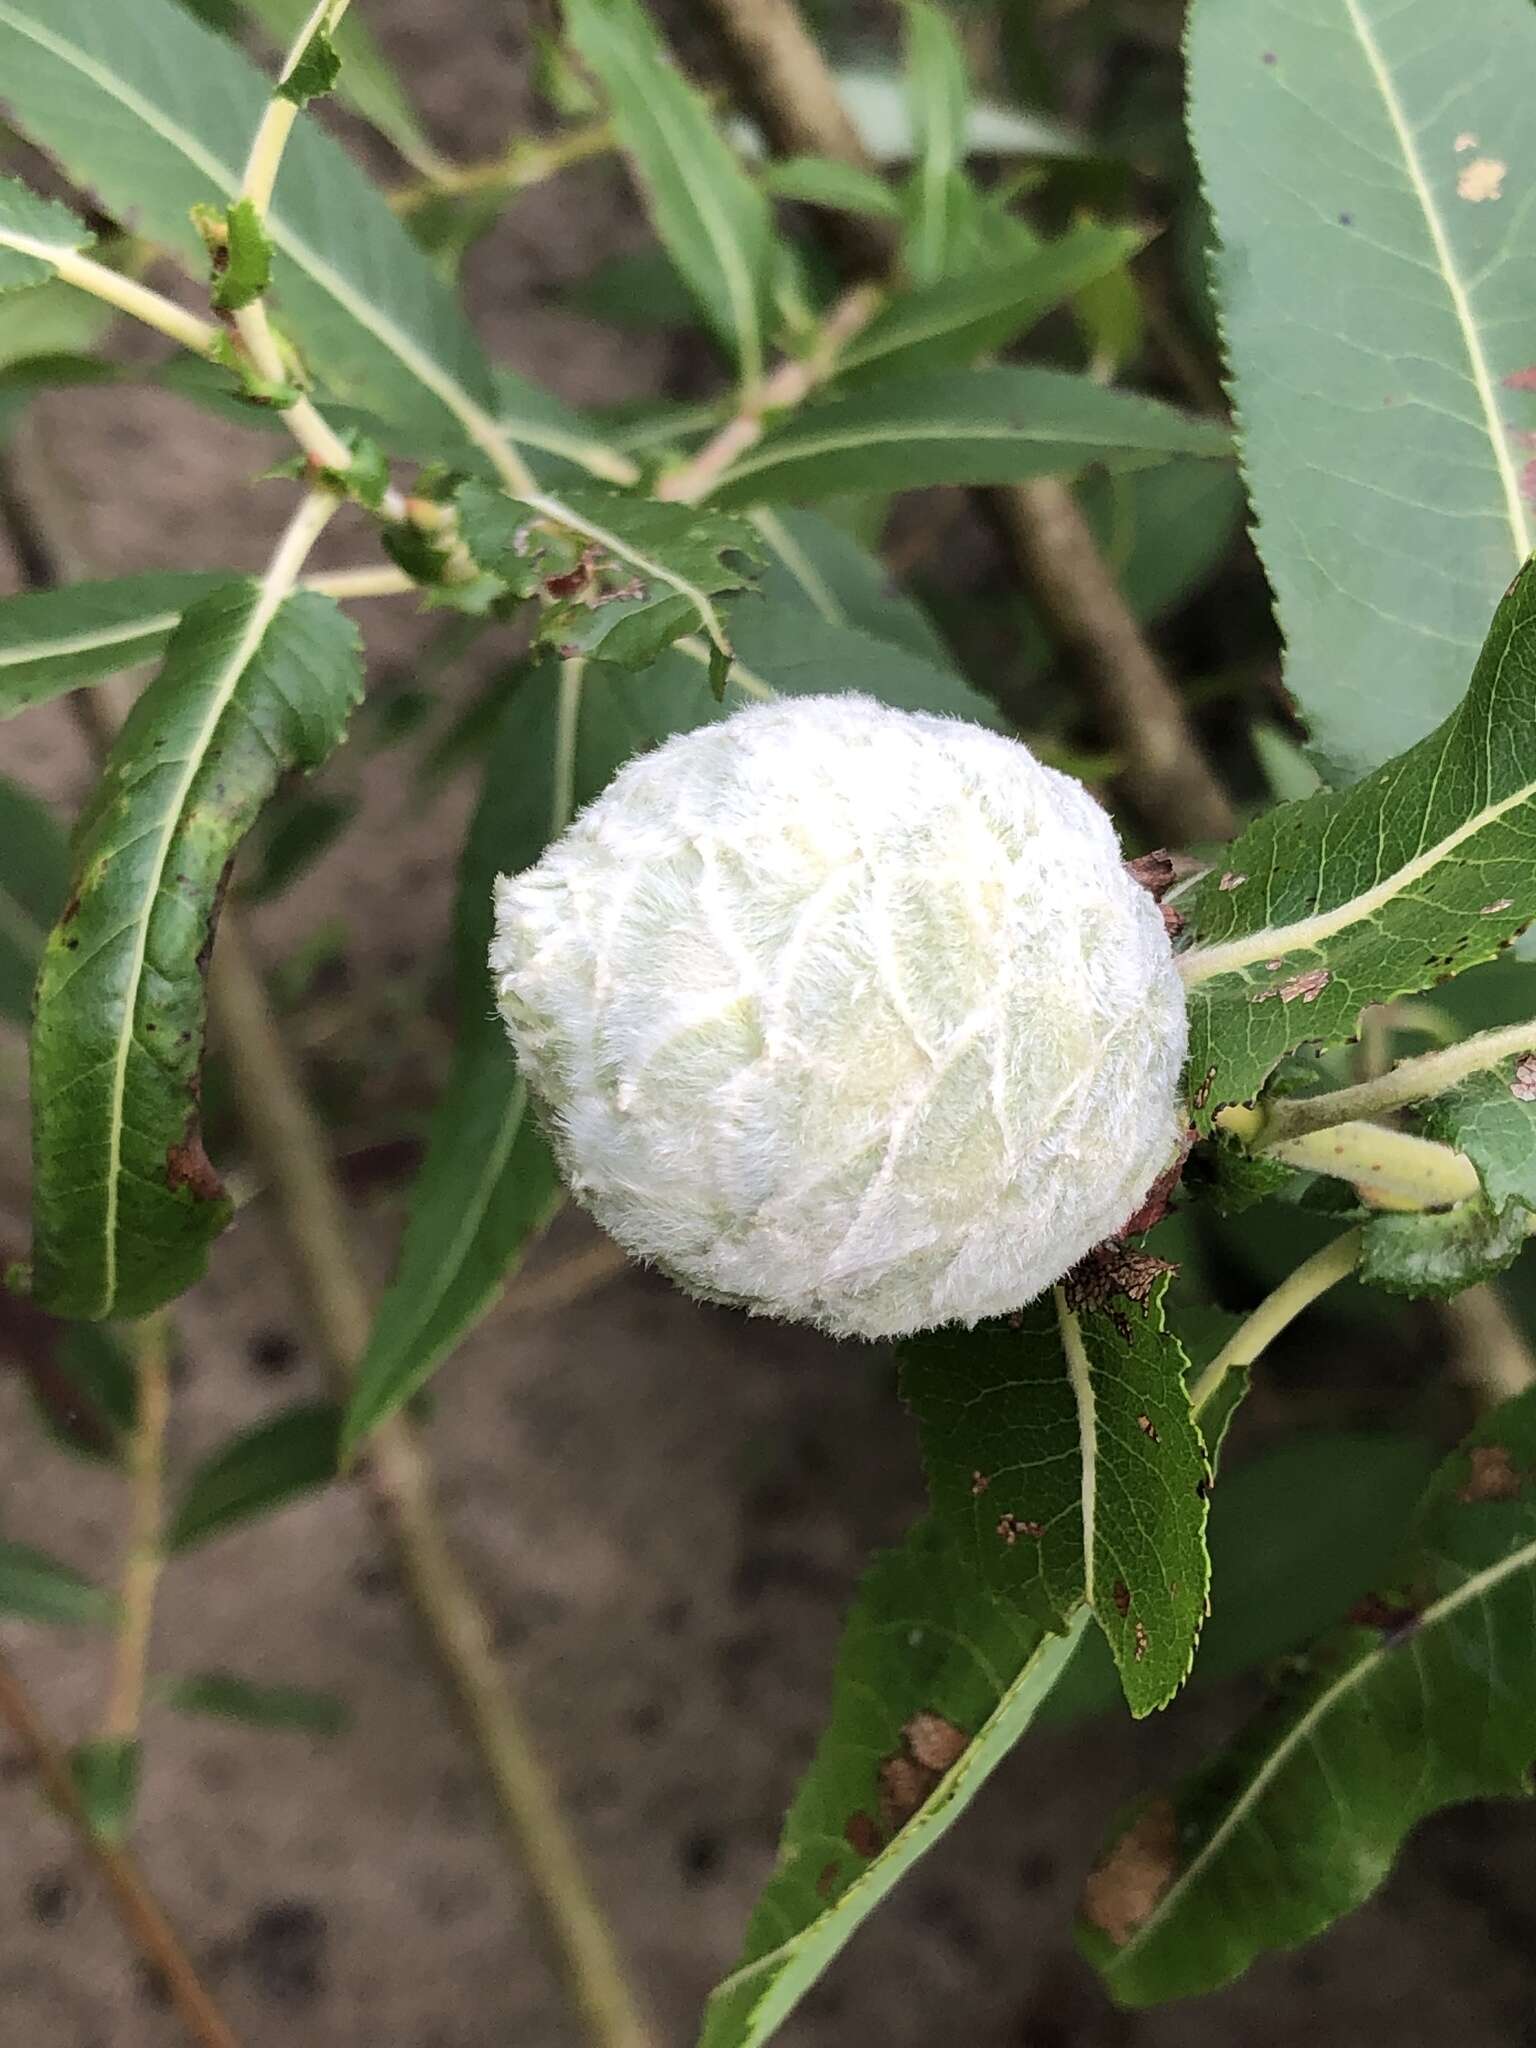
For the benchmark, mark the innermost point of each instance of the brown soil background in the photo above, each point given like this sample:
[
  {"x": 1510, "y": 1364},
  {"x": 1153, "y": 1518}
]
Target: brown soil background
[{"x": 665, "y": 1507}]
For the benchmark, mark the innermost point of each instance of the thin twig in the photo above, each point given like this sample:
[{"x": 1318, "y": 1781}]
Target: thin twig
[
  {"x": 1298, "y": 1290},
  {"x": 144, "y": 1555},
  {"x": 283, "y": 1130},
  {"x": 1413, "y": 1080},
  {"x": 789, "y": 385},
  {"x": 138, "y": 1909},
  {"x": 1166, "y": 778},
  {"x": 145, "y": 304},
  {"x": 518, "y": 168}
]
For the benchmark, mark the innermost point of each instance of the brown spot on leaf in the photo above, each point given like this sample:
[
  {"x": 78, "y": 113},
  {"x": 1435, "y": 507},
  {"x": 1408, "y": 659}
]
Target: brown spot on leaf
[
  {"x": 1122, "y": 1598},
  {"x": 1158, "y": 1199},
  {"x": 1491, "y": 1475},
  {"x": 1395, "y": 1618},
  {"x": 1308, "y": 986},
  {"x": 1465, "y": 140},
  {"x": 187, "y": 1165},
  {"x": 1148, "y": 1428},
  {"x": 862, "y": 1835},
  {"x": 825, "y": 1880},
  {"x": 1523, "y": 1085},
  {"x": 1521, "y": 380},
  {"x": 71, "y": 909},
  {"x": 934, "y": 1742},
  {"x": 1123, "y": 1892},
  {"x": 1011, "y": 1527},
  {"x": 1203, "y": 1092},
  {"x": 1230, "y": 881},
  {"x": 1273, "y": 966},
  {"x": 979, "y": 1484},
  {"x": 1154, "y": 871},
  {"x": 1493, "y": 909},
  {"x": 1143, "y": 1640},
  {"x": 1481, "y": 179},
  {"x": 904, "y": 1785}
]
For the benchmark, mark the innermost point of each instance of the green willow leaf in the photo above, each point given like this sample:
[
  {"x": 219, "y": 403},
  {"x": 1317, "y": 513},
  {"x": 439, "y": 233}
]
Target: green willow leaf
[
  {"x": 1065, "y": 1465},
  {"x": 34, "y": 882},
  {"x": 1426, "y": 1698},
  {"x": 716, "y": 224},
  {"x": 937, "y": 1679},
  {"x": 1359, "y": 896},
  {"x": 963, "y": 318},
  {"x": 626, "y": 576},
  {"x": 221, "y": 1696},
  {"x": 55, "y": 640},
  {"x": 938, "y": 94},
  {"x": 154, "y": 112},
  {"x": 35, "y": 1587},
  {"x": 815, "y": 566},
  {"x": 125, "y": 1205},
  {"x": 822, "y": 181},
  {"x": 1376, "y": 280},
  {"x": 257, "y": 1472},
  {"x": 998, "y": 425},
  {"x": 34, "y": 233},
  {"x": 488, "y": 1183}
]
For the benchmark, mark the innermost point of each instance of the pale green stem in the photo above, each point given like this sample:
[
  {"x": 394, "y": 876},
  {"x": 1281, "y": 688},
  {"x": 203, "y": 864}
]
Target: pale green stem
[
  {"x": 1412, "y": 1080},
  {"x": 1389, "y": 1169},
  {"x": 126, "y": 293},
  {"x": 1278, "y": 1310},
  {"x": 144, "y": 1557}
]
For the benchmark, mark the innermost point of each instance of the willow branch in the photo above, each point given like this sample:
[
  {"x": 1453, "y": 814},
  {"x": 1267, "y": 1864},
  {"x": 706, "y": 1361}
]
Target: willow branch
[
  {"x": 1166, "y": 777},
  {"x": 144, "y": 1557},
  {"x": 287, "y": 1139},
  {"x": 517, "y": 169},
  {"x": 1277, "y": 1311},
  {"x": 139, "y": 1911},
  {"x": 1412, "y": 1080},
  {"x": 789, "y": 385},
  {"x": 149, "y": 307}
]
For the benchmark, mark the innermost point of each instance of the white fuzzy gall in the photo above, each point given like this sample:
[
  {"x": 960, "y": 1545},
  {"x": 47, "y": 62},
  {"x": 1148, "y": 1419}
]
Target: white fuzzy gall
[{"x": 848, "y": 1015}]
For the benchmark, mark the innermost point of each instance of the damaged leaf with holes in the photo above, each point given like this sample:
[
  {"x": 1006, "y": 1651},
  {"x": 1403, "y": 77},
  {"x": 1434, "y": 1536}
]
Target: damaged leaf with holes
[
  {"x": 1064, "y": 1464},
  {"x": 618, "y": 578}
]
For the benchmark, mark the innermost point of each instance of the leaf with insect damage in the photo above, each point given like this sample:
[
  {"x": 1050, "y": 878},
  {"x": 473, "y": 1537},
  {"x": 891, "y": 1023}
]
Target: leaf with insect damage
[
  {"x": 126, "y": 1201},
  {"x": 1064, "y": 1463}
]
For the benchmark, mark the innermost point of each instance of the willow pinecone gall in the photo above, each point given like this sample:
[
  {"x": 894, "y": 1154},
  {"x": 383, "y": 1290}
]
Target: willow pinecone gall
[{"x": 848, "y": 1015}]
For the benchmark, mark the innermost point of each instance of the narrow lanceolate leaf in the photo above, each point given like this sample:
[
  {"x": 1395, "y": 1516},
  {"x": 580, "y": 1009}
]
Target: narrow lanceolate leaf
[
  {"x": 987, "y": 426},
  {"x": 154, "y": 112},
  {"x": 822, "y": 181},
  {"x": 1355, "y": 897},
  {"x": 620, "y": 577},
  {"x": 938, "y": 94},
  {"x": 1426, "y": 1698},
  {"x": 126, "y": 1202},
  {"x": 257, "y": 1472},
  {"x": 1374, "y": 149},
  {"x": 34, "y": 1587},
  {"x": 488, "y": 1183},
  {"x": 961, "y": 319},
  {"x": 55, "y": 640},
  {"x": 815, "y": 566},
  {"x": 1065, "y": 1465},
  {"x": 937, "y": 1678},
  {"x": 221, "y": 1696},
  {"x": 34, "y": 233},
  {"x": 34, "y": 881},
  {"x": 715, "y": 223}
]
